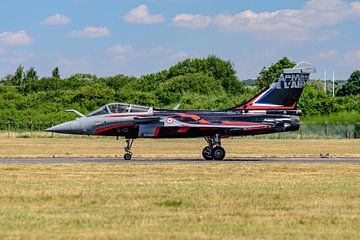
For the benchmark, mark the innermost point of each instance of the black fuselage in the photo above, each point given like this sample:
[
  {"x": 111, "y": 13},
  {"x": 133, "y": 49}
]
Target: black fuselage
[{"x": 224, "y": 123}]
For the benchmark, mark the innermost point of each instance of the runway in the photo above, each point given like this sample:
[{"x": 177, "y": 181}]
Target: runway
[{"x": 176, "y": 160}]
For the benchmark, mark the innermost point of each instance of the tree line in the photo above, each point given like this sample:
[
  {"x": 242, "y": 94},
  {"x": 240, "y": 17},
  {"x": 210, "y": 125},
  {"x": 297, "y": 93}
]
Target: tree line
[{"x": 209, "y": 83}]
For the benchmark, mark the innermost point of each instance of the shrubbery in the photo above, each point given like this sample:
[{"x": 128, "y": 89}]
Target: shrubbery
[{"x": 209, "y": 83}]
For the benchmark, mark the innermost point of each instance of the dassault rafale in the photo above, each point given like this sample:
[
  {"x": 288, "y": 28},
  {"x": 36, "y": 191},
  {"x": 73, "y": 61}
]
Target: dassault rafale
[{"x": 273, "y": 110}]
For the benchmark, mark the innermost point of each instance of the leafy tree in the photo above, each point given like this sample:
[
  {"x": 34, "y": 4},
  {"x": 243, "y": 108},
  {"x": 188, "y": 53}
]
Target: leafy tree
[
  {"x": 31, "y": 74},
  {"x": 271, "y": 74},
  {"x": 209, "y": 83},
  {"x": 317, "y": 84},
  {"x": 211, "y": 66},
  {"x": 15, "y": 79},
  {"x": 352, "y": 87},
  {"x": 7, "y": 80},
  {"x": 55, "y": 73}
]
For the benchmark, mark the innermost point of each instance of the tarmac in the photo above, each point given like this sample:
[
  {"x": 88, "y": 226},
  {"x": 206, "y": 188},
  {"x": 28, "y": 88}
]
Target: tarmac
[{"x": 176, "y": 160}]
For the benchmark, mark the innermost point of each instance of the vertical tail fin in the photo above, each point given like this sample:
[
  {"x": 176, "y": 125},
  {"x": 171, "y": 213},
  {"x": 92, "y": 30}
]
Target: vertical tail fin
[{"x": 283, "y": 94}]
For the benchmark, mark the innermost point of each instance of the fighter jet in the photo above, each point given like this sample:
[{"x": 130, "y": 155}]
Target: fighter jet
[{"x": 273, "y": 110}]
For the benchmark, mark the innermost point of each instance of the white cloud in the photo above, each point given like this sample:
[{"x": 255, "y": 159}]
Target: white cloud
[
  {"x": 327, "y": 54},
  {"x": 120, "y": 49},
  {"x": 141, "y": 15},
  {"x": 286, "y": 24},
  {"x": 73, "y": 62},
  {"x": 57, "y": 19},
  {"x": 91, "y": 32},
  {"x": 191, "y": 20},
  {"x": 15, "y": 38},
  {"x": 355, "y": 5}
]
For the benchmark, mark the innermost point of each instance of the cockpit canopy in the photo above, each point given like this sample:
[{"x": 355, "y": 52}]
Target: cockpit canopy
[{"x": 120, "y": 108}]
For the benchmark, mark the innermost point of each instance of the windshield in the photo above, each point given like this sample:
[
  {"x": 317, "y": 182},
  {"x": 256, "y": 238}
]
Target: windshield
[
  {"x": 119, "y": 108},
  {"x": 101, "y": 111},
  {"x": 137, "y": 108}
]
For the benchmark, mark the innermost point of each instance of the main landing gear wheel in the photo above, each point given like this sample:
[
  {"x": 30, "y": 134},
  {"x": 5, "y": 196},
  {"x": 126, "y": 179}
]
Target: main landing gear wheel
[
  {"x": 127, "y": 156},
  {"x": 218, "y": 153},
  {"x": 206, "y": 153},
  {"x": 213, "y": 151}
]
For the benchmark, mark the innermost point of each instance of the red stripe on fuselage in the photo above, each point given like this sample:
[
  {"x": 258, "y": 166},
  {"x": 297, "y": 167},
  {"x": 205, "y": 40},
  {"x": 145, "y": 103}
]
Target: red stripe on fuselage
[
  {"x": 202, "y": 121},
  {"x": 254, "y": 129},
  {"x": 157, "y": 130},
  {"x": 101, "y": 130},
  {"x": 183, "y": 130},
  {"x": 194, "y": 117}
]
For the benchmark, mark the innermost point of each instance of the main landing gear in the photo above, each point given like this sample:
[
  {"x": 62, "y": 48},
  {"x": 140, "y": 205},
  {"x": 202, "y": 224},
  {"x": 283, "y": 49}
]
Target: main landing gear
[
  {"x": 213, "y": 151},
  {"x": 127, "y": 148}
]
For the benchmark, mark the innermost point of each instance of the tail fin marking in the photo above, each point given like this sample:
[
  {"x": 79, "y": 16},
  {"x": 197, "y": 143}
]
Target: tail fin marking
[{"x": 284, "y": 93}]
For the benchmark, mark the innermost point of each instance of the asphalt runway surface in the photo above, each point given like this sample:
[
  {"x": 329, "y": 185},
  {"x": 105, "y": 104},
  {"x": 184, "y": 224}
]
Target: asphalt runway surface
[{"x": 176, "y": 160}]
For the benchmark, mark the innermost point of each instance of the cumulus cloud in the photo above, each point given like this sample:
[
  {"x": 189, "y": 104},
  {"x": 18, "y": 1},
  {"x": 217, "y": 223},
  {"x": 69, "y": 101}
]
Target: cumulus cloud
[
  {"x": 120, "y": 49},
  {"x": 15, "y": 38},
  {"x": 141, "y": 15},
  {"x": 91, "y": 32},
  {"x": 56, "y": 20},
  {"x": 191, "y": 20},
  {"x": 289, "y": 24},
  {"x": 328, "y": 54},
  {"x": 355, "y": 5}
]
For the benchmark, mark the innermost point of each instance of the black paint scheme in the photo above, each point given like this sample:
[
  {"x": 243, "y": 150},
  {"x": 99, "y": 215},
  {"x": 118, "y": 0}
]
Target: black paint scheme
[{"x": 273, "y": 110}]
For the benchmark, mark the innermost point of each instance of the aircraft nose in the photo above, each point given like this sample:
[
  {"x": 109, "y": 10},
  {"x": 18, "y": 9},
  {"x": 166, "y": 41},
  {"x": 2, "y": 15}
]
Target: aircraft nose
[{"x": 73, "y": 127}]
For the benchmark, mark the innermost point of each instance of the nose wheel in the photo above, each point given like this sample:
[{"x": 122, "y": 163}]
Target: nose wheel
[
  {"x": 127, "y": 148},
  {"x": 213, "y": 151}
]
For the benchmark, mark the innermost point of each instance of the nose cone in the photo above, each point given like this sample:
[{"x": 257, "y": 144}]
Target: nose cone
[{"x": 73, "y": 127}]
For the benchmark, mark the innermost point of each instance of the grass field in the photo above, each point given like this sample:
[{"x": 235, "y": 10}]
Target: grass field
[
  {"x": 180, "y": 201},
  {"x": 62, "y": 146}
]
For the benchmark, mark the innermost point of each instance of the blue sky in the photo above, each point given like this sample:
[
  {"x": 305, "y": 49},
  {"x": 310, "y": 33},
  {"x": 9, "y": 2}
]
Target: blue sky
[{"x": 139, "y": 37}]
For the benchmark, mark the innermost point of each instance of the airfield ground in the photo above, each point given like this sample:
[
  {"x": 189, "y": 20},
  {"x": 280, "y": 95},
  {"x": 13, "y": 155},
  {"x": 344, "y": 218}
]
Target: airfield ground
[
  {"x": 179, "y": 200},
  {"x": 64, "y": 146}
]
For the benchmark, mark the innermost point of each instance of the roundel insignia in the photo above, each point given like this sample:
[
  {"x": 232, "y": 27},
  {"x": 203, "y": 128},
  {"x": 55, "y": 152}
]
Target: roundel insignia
[{"x": 169, "y": 120}]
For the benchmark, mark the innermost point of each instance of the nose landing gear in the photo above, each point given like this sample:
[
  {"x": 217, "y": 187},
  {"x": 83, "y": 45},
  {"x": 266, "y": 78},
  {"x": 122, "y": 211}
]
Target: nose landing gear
[
  {"x": 127, "y": 148},
  {"x": 213, "y": 151}
]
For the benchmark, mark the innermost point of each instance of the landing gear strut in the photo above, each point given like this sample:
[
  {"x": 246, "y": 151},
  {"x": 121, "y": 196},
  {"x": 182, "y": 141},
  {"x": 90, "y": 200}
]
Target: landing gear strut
[
  {"x": 127, "y": 148},
  {"x": 213, "y": 151}
]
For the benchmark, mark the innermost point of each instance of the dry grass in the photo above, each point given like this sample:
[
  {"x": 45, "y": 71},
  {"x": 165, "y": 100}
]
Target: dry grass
[
  {"x": 185, "y": 148},
  {"x": 180, "y": 201}
]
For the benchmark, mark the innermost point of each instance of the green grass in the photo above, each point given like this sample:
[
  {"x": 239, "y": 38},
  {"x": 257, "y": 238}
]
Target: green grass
[{"x": 180, "y": 201}]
